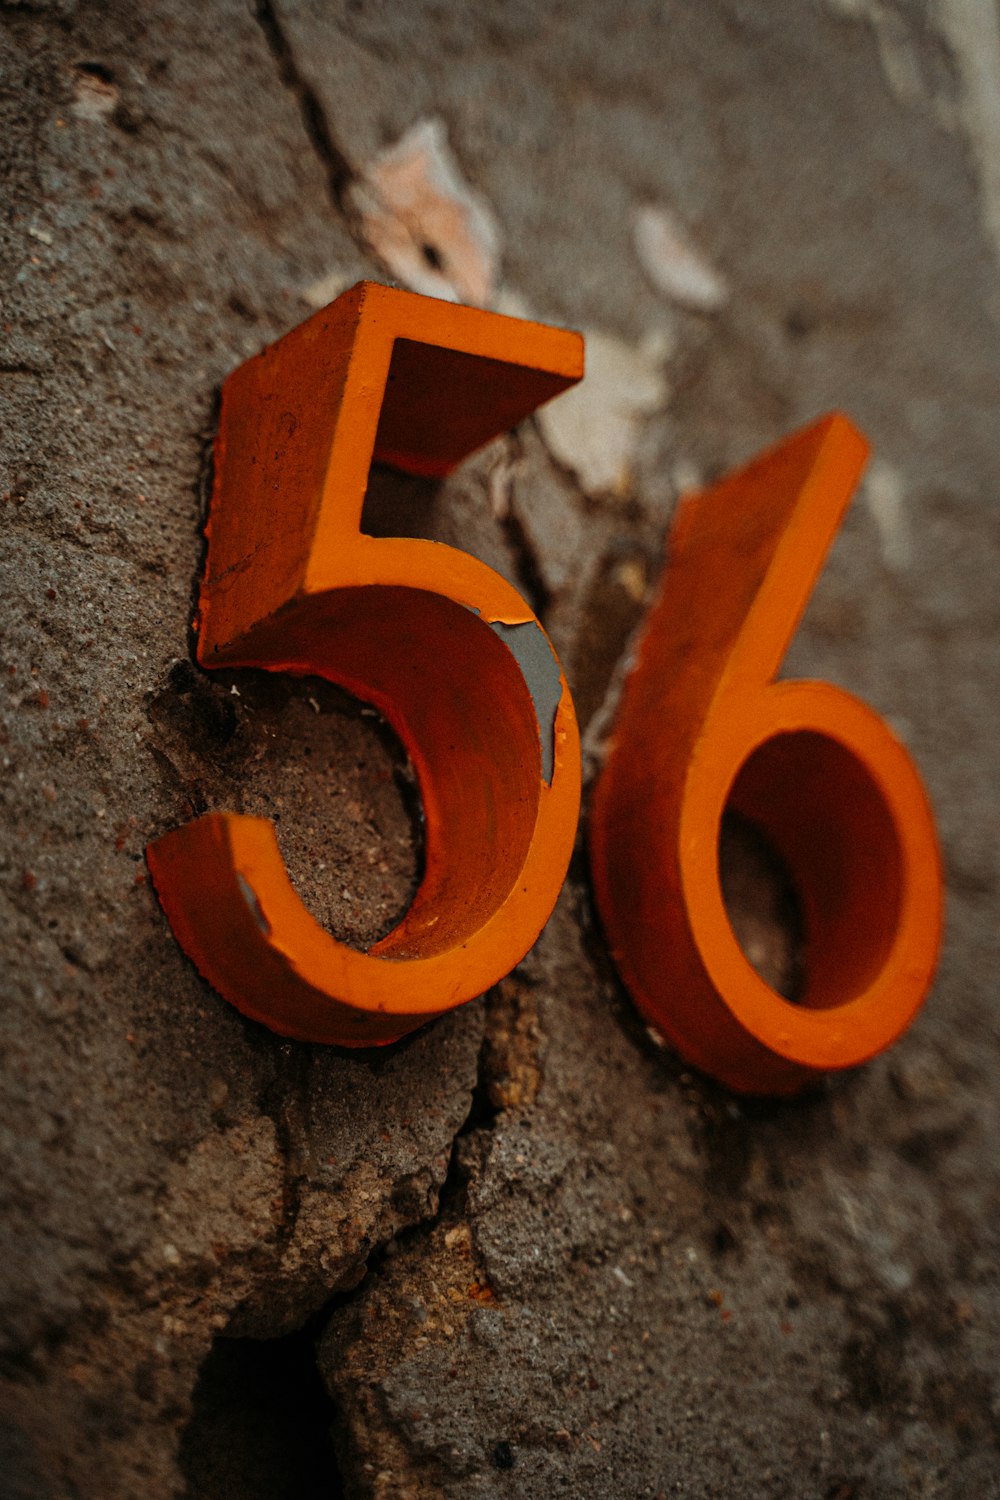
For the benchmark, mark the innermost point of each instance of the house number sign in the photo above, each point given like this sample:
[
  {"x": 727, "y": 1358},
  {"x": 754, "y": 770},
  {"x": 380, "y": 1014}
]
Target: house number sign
[{"x": 455, "y": 660}]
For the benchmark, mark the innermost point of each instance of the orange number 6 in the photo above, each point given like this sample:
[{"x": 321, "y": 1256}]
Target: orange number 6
[
  {"x": 703, "y": 726},
  {"x": 439, "y": 643}
]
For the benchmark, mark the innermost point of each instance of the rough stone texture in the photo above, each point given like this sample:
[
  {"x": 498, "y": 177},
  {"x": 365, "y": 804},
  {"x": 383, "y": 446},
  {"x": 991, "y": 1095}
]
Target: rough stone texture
[{"x": 588, "y": 1271}]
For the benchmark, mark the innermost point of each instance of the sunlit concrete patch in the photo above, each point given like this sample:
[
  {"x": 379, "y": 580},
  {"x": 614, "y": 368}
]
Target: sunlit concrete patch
[
  {"x": 674, "y": 264},
  {"x": 593, "y": 429},
  {"x": 632, "y": 576},
  {"x": 431, "y": 230},
  {"x": 529, "y": 645}
]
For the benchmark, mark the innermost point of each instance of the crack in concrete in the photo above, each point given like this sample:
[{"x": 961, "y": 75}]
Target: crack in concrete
[
  {"x": 339, "y": 173},
  {"x": 495, "y": 1092},
  {"x": 282, "y": 1101},
  {"x": 341, "y": 177}
]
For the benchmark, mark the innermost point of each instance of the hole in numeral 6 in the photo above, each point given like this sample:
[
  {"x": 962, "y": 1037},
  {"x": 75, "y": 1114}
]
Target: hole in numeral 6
[
  {"x": 442, "y": 646},
  {"x": 704, "y": 733}
]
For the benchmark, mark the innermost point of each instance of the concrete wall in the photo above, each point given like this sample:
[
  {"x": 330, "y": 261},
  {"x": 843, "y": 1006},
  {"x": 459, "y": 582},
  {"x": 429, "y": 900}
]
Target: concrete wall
[{"x": 525, "y": 1252}]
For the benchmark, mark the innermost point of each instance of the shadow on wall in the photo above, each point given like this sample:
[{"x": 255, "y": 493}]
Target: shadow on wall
[{"x": 260, "y": 1424}]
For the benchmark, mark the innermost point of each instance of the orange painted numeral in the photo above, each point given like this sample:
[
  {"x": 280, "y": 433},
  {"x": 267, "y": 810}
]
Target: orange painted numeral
[
  {"x": 703, "y": 726},
  {"x": 439, "y": 643}
]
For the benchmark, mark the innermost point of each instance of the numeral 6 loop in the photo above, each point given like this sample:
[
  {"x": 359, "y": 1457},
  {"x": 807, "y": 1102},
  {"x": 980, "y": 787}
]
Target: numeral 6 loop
[
  {"x": 703, "y": 727},
  {"x": 439, "y": 643}
]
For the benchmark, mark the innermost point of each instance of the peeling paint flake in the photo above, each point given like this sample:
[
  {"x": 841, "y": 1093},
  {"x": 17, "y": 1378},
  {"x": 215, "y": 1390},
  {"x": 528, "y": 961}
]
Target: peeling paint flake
[
  {"x": 95, "y": 94},
  {"x": 884, "y": 492},
  {"x": 674, "y": 265},
  {"x": 972, "y": 30},
  {"x": 530, "y": 647},
  {"x": 897, "y": 48},
  {"x": 253, "y": 902},
  {"x": 431, "y": 230},
  {"x": 594, "y": 428}
]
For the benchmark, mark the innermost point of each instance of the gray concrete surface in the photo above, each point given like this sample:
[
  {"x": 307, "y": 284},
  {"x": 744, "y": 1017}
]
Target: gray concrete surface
[{"x": 527, "y": 1251}]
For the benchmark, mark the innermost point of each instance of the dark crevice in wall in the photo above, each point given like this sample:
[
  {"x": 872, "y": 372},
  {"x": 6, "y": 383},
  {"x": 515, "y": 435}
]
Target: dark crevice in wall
[
  {"x": 260, "y": 1423},
  {"x": 282, "y": 1102},
  {"x": 338, "y": 170},
  {"x": 609, "y": 617},
  {"x": 204, "y": 484},
  {"x": 530, "y": 577},
  {"x": 263, "y": 1426},
  {"x": 483, "y": 1114}
]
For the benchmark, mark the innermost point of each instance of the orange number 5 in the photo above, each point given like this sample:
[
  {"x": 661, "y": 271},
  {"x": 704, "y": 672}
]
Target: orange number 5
[
  {"x": 439, "y": 643},
  {"x": 702, "y": 727}
]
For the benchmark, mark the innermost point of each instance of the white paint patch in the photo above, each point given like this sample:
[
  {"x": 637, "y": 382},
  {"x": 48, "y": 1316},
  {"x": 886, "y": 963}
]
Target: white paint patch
[
  {"x": 885, "y": 494},
  {"x": 513, "y": 305},
  {"x": 327, "y": 289},
  {"x": 971, "y": 29},
  {"x": 594, "y": 428},
  {"x": 672, "y": 262},
  {"x": 431, "y": 230},
  {"x": 897, "y": 49}
]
